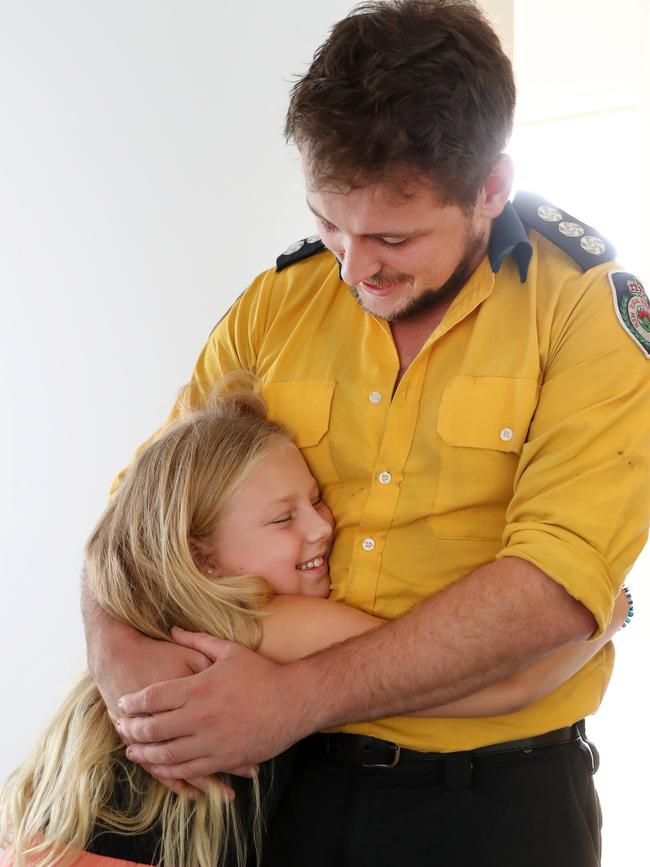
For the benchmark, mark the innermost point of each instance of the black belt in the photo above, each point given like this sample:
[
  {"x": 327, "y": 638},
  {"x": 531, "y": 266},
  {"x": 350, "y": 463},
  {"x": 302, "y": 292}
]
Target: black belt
[{"x": 367, "y": 752}]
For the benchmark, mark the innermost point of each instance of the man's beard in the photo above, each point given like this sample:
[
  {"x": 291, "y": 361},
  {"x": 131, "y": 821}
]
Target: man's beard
[{"x": 431, "y": 298}]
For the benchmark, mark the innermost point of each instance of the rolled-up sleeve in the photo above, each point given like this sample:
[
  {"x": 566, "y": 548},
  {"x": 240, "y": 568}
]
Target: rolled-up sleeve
[{"x": 581, "y": 502}]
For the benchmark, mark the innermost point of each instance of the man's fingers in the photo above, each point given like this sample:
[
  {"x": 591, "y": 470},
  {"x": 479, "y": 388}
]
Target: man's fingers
[
  {"x": 215, "y": 648},
  {"x": 184, "y": 770},
  {"x": 205, "y": 783},
  {"x": 194, "y": 786},
  {"x": 199, "y": 662},
  {"x": 179, "y": 787},
  {"x": 169, "y": 753},
  {"x": 227, "y": 793},
  {"x": 153, "y": 729},
  {"x": 246, "y": 771},
  {"x": 166, "y": 695},
  {"x": 175, "y": 761}
]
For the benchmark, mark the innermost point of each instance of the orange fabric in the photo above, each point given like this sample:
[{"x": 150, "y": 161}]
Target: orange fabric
[{"x": 85, "y": 859}]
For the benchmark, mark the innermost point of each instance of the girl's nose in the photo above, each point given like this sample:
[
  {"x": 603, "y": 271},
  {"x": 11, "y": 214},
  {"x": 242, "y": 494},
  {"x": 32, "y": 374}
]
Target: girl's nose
[{"x": 321, "y": 523}]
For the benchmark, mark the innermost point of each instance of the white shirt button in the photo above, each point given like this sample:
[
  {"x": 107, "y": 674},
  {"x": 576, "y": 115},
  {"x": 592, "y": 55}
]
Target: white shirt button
[
  {"x": 506, "y": 434},
  {"x": 374, "y": 397},
  {"x": 368, "y": 544},
  {"x": 384, "y": 477}
]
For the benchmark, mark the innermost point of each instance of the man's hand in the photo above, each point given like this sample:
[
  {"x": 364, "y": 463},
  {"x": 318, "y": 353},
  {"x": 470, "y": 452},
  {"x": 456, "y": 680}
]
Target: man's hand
[
  {"x": 121, "y": 659},
  {"x": 230, "y": 715},
  {"x": 155, "y": 660},
  {"x": 134, "y": 661},
  {"x": 142, "y": 662}
]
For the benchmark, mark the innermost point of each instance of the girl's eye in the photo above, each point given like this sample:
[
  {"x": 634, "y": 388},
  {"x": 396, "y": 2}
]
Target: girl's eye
[{"x": 283, "y": 520}]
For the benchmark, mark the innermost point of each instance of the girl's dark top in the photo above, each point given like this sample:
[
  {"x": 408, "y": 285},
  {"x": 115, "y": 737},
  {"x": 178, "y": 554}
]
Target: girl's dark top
[{"x": 144, "y": 848}]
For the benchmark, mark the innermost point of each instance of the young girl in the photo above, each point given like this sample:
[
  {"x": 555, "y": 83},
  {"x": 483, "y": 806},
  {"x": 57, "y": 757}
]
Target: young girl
[{"x": 223, "y": 496}]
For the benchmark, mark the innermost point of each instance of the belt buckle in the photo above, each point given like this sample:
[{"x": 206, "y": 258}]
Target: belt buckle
[{"x": 392, "y": 764}]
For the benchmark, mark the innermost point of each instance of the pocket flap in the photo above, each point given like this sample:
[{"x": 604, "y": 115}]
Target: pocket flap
[
  {"x": 487, "y": 412},
  {"x": 302, "y": 406}
]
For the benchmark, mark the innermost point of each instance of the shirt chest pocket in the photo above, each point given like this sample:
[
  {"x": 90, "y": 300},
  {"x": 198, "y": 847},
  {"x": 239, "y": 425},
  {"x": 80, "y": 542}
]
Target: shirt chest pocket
[
  {"x": 482, "y": 425},
  {"x": 304, "y": 408}
]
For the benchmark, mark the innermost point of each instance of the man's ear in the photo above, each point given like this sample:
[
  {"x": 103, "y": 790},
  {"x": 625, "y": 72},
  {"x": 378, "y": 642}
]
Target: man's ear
[{"x": 495, "y": 193}]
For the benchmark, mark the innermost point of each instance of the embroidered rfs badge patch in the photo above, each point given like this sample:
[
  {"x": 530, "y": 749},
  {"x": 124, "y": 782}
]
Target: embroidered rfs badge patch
[{"x": 632, "y": 307}]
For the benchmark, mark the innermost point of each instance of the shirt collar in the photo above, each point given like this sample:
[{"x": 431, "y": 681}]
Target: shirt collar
[{"x": 509, "y": 236}]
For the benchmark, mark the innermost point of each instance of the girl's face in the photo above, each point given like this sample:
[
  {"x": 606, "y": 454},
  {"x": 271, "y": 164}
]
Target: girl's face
[{"x": 278, "y": 527}]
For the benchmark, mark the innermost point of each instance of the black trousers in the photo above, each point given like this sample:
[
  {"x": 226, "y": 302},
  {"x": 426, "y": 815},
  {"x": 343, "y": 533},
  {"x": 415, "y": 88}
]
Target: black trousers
[{"x": 521, "y": 810}]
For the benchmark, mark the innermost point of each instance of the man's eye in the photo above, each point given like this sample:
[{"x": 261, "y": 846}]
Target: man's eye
[{"x": 394, "y": 244}]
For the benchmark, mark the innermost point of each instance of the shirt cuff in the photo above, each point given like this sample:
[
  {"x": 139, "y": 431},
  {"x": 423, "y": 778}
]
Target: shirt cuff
[{"x": 565, "y": 558}]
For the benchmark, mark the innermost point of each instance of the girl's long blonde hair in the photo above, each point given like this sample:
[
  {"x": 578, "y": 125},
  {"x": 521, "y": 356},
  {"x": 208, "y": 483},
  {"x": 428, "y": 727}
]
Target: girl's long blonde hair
[{"x": 140, "y": 569}]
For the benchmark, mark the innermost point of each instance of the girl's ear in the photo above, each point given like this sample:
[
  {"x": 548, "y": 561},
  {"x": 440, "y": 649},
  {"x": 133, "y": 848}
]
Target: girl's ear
[{"x": 201, "y": 557}]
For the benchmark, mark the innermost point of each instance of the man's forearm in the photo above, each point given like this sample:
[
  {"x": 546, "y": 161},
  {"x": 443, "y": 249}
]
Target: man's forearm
[
  {"x": 103, "y": 632},
  {"x": 492, "y": 623}
]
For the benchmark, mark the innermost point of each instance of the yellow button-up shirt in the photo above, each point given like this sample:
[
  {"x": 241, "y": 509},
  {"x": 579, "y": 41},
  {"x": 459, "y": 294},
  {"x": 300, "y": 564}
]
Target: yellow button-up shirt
[{"x": 521, "y": 429}]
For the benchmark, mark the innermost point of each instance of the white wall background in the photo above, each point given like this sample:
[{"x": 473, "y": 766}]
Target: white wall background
[
  {"x": 580, "y": 139},
  {"x": 143, "y": 182}
]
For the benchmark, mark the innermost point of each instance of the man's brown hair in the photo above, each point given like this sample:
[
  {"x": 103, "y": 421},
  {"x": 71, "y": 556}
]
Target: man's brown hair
[{"x": 420, "y": 87}]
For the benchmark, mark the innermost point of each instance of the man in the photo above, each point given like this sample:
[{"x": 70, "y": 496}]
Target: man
[{"x": 468, "y": 381}]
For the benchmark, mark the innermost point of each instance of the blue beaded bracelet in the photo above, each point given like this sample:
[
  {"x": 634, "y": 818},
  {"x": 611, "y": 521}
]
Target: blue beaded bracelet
[{"x": 630, "y": 607}]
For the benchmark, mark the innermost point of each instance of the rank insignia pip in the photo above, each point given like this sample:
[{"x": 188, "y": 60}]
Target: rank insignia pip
[
  {"x": 299, "y": 250},
  {"x": 583, "y": 243},
  {"x": 632, "y": 307}
]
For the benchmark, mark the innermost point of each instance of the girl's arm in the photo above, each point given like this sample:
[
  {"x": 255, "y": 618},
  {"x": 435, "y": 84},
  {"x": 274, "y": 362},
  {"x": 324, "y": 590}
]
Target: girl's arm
[
  {"x": 296, "y": 626},
  {"x": 529, "y": 685},
  {"x": 299, "y": 625}
]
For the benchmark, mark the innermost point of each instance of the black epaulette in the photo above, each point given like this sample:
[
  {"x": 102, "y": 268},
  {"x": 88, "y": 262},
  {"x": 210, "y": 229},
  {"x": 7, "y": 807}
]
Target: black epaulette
[
  {"x": 300, "y": 250},
  {"x": 582, "y": 242}
]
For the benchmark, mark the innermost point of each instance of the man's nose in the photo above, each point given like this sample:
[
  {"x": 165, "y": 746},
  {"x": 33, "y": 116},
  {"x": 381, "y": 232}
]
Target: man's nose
[{"x": 358, "y": 262}]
